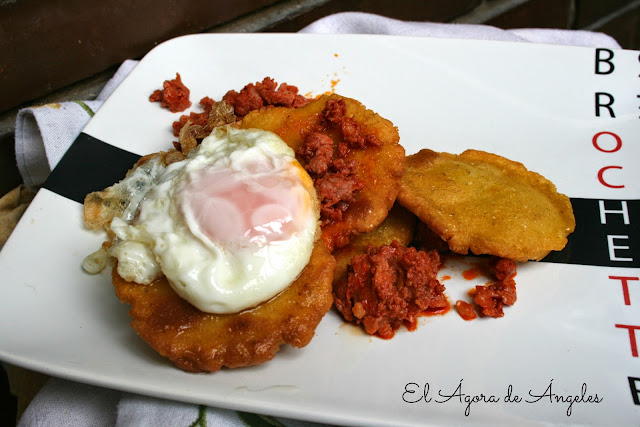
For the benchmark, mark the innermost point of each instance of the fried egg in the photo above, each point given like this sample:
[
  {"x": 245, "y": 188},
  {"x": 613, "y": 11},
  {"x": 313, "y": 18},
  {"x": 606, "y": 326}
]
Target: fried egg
[{"x": 230, "y": 226}]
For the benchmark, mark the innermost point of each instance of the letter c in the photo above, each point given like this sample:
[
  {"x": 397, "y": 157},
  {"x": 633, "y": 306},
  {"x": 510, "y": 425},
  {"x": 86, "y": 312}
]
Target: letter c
[{"x": 601, "y": 177}]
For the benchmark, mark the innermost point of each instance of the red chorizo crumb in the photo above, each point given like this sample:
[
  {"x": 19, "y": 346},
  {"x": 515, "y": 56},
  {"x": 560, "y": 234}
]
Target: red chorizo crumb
[
  {"x": 490, "y": 299},
  {"x": 207, "y": 103},
  {"x": 465, "y": 310},
  {"x": 388, "y": 287},
  {"x": 335, "y": 179},
  {"x": 272, "y": 95},
  {"x": 335, "y": 191},
  {"x": 174, "y": 95},
  {"x": 351, "y": 133},
  {"x": 334, "y": 115},
  {"x": 262, "y": 95},
  {"x": 334, "y": 111},
  {"x": 502, "y": 268},
  {"x": 345, "y": 167},
  {"x": 252, "y": 97},
  {"x": 245, "y": 101},
  {"x": 317, "y": 150}
]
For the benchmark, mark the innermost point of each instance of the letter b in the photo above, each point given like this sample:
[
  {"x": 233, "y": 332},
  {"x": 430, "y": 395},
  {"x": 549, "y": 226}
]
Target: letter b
[{"x": 609, "y": 67}]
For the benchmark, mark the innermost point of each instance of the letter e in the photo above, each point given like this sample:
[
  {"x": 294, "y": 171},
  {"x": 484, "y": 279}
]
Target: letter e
[{"x": 613, "y": 247}]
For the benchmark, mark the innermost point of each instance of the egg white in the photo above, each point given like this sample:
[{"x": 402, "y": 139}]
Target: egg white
[{"x": 164, "y": 236}]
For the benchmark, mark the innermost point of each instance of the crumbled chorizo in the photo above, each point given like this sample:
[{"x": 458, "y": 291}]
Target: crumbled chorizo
[
  {"x": 317, "y": 150},
  {"x": 251, "y": 97},
  {"x": 466, "y": 310},
  {"x": 174, "y": 95},
  {"x": 388, "y": 287},
  {"x": 502, "y": 268},
  {"x": 334, "y": 115},
  {"x": 335, "y": 179},
  {"x": 489, "y": 300},
  {"x": 271, "y": 94},
  {"x": 334, "y": 111},
  {"x": 492, "y": 298},
  {"x": 245, "y": 101},
  {"x": 335, "y": 191},
  {"x": 264, "y": 94},
  {"x": 351, "y": 133}
]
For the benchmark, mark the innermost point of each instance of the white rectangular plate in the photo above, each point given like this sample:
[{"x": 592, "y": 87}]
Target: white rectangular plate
[{"x": 571, "y": 333}]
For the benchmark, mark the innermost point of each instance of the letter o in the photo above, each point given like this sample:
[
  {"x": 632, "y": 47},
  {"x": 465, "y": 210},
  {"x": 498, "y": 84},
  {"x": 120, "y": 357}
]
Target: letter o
[
  {"x": 601, "y": 177},
  {"x": 594, "y": 140}
]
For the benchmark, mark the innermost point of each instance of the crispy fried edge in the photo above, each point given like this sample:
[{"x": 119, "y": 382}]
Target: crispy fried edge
[
  {"x": 201, "y": 342},
  {"x": 100, "y": 207}
]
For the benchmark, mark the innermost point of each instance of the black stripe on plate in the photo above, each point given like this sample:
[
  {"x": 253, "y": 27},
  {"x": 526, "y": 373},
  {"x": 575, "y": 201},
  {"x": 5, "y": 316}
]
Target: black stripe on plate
[
  {"x": 89, "y": 165},
  {"x": 606, "y": 234},
  {"x": 93, "y": 165}
]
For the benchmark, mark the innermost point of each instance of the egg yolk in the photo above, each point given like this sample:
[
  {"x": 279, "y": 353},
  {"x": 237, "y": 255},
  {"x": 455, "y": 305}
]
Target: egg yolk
[{"x": 245, "y": 207}]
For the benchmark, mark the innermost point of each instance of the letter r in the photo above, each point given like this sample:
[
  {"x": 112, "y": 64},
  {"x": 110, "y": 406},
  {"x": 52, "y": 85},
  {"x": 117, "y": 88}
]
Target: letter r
[{"x": 607, "y": 103}]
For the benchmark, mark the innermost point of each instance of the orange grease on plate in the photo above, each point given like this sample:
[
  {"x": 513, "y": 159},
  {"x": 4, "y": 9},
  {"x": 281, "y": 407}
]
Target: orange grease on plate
[
  {"x": 471, "y": 273},
  {"x": 436, "y": 311}
]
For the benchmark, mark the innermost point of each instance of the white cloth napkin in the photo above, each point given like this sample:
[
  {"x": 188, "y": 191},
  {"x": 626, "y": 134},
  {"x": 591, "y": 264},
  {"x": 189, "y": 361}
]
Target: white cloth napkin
[
  {"x": 44, "y": 133},
  {"x": 366, "y": 23}
]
